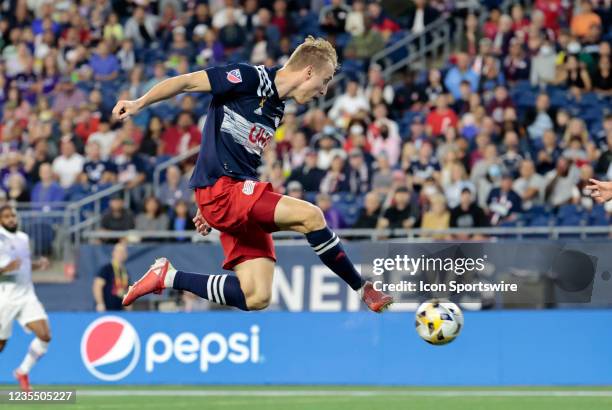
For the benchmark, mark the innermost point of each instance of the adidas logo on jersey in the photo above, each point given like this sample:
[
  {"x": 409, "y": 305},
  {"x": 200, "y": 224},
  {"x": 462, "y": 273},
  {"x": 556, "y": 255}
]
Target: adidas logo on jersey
[{"x": 248, "y": 188}]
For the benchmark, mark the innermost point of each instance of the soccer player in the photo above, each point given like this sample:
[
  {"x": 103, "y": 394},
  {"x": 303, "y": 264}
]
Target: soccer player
[
  {"x": 17, "y": 297},
  {"x": 246, "y": 109}
]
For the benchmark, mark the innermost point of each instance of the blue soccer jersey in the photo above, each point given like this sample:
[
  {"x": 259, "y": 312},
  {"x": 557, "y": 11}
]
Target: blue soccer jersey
[{"x": 242, "y": 118}]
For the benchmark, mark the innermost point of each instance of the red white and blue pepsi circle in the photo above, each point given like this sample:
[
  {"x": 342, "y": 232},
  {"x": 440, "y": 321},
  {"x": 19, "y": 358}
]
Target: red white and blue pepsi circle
[{"x": 110, "y": 348}]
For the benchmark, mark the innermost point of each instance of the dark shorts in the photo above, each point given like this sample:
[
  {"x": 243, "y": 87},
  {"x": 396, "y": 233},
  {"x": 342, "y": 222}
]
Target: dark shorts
[{"x": 243, "y": 211}]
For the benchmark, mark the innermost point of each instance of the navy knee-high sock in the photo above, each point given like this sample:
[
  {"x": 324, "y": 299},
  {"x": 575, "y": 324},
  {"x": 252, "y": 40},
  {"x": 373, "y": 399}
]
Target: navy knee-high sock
[
  {"x": 221, "y": 289},
  {"x": 327, "y": 246}
]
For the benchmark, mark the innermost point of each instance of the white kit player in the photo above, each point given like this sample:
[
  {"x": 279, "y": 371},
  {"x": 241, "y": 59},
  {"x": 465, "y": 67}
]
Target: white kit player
[{"x": 17, "y": 298}]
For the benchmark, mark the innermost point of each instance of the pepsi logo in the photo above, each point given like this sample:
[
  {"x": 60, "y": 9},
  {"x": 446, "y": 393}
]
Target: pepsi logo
[{"x": 110, "y": 348}]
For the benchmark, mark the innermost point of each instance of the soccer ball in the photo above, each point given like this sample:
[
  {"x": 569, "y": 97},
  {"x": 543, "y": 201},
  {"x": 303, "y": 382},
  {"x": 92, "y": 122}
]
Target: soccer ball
[{"x": 438, "y": 322}]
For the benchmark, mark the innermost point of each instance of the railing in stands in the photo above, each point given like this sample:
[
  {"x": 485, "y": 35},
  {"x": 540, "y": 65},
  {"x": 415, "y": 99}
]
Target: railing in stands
[{"x": 412, "y": 235}]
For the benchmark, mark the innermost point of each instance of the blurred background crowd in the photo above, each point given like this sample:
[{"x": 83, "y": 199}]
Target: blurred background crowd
[{"x": 505, "y": 132}]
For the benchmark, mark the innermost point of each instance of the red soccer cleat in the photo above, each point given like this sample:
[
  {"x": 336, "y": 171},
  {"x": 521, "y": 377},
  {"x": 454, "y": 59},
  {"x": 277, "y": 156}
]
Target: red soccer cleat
[
  {"x": 150, "y": 282},
  {"x": 376, "y": 300},
  {"x": 23, "y": 379}
]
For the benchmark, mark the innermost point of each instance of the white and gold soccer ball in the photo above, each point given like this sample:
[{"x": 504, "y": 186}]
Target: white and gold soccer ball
[{"x": 438, "y": 322}]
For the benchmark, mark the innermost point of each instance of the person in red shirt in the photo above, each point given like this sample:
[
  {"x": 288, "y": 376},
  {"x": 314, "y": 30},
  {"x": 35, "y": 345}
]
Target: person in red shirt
[
  {"x": 442, "y": 117},
  {"x": 181, "y": 136}
]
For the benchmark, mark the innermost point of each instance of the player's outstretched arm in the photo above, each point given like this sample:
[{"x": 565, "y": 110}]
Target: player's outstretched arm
[
  {"x": 192, "y": 82},
  {"x": 601, "y": 191}
]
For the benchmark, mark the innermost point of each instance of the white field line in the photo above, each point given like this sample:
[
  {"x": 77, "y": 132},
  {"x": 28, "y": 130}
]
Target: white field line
[{"x": 353, "y": 393}]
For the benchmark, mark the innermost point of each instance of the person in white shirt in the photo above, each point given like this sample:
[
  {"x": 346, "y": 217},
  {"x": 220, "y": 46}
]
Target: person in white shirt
[
  {"x": 17, "y": 298},
  {"x": 69, "y": 165},
  {"x": 349, "y": 103}
]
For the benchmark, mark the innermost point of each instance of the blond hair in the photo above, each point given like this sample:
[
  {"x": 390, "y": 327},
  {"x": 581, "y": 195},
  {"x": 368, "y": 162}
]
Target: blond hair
[{"x": 313, "y": 51}]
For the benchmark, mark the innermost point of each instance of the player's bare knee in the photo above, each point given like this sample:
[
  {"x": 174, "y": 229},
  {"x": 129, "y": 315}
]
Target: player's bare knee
[
  {"x": 45, "y": 337},
  {"x": 258, "y": 301},
  {"x": 313, "y": 219},
  {"x": 2, "y": 344}
]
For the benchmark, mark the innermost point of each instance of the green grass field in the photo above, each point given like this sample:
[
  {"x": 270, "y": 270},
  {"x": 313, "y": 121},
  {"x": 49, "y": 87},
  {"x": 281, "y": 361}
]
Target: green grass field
[{"x": 328, "y": 398}]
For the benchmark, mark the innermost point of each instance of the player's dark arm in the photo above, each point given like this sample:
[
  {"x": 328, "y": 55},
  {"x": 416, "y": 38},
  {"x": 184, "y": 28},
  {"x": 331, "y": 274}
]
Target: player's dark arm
[
  {"x": 186, "y": 83},
  {"x": 97, "y": 290},
  {"x": 11, "y": 266}
]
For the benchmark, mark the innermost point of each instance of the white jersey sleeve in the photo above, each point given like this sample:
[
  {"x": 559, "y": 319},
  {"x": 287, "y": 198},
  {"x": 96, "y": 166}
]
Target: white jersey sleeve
[{"x": 5, "y": 251}]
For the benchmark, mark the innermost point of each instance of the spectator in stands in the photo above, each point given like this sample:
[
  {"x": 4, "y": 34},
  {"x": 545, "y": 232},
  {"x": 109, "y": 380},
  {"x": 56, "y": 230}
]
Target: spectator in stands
[
  {"x": 541, "y": 119},
  {"x": 308, "y": 175},
  {"x": 358, "y": 173},
  {"x": 501, "y": 100},
  {"x": 355, "y": 20},
  {"x": 131, "y": 167},
  {"x": 381, "y": 22},
  {"x": 69, "y": 164},
  {"x": 501, "y": 41},
  {"x": 94, "y": 165},
  {"x": 437, "y": 217},
  {"x": 117, "y": 217},
  {"x": 560, "y": 183},
  {"x": 512, "y": 156},
  {"x": 605, "y": 159},
  {"x": 328, "y": 147},
  {"x": 369, "y": 213},
  {"x": 181, "y": 220},
  {"x": 583, "y": 21},
  {"x": 141, "y": 28},
  {"x": 232, "y": 34},
  {"x": 182, "y": 136},
  {"x": 335, "y": 179},
  {"x": 503, "y": 203},
  {"x": 582, "y": 195},
  {"x": 543, "y": 67},
  {"x": 383, "y": 135},
  {"x": 17, "y": 190},
  {"x": 421, "y": 16},
  {"x": 548, "y": 156},
  {"x": 13, "y": 166},
  {"x": 112, "y": 281},
  {"x": 467, "y": 215},
  {"x": 442, "y": 117},
  {"x": 602, "y": 78},
  {"x": 295, "y": 190},
  {"x": 333, "y": 217},
  {"x": 151, "y": 144},
  {"x": 47, "y": 190},
  {"x": 175, "y": 188},
  {"x": 516, "y": 63},
  {"x": 459, "y": 72},
  {"x": 67, "y": 95},
  {"x": 332, "y": 18},
  {"x": 574, "y": 75},
  {"x": 32, "y": 162},
  {"x": 153, "y": 218},
  {"x": 105, "y": 66},
  {"x": 434, "y": 87},
  {"x": 403, "y": 212},
  {"x": 348, "y": 104},
  {"x": 364, "y": 46},
  {"x": 459, "y": 181},
  {"x": 530, "y": 186},
  {"x": 425, "y": 166},
  {"x": 382, "y": 178}
]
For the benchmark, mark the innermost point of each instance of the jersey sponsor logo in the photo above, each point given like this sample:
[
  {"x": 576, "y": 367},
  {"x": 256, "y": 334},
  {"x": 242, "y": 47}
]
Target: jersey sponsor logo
[
  {"x": 234, "y": 76},
  {"x": 110, "y": 348},
  {"x": 259, "y": 136},
  {"x": 254, "y": 137},
  {"x": 248, "y": 187}
]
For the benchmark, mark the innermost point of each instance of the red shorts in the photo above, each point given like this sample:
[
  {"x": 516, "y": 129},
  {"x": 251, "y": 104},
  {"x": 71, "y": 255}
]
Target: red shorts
[{"x": 243, "y": 211}]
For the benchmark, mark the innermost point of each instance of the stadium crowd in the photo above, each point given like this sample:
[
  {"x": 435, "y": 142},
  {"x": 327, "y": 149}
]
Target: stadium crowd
[{"x": 507, "y": 132}]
